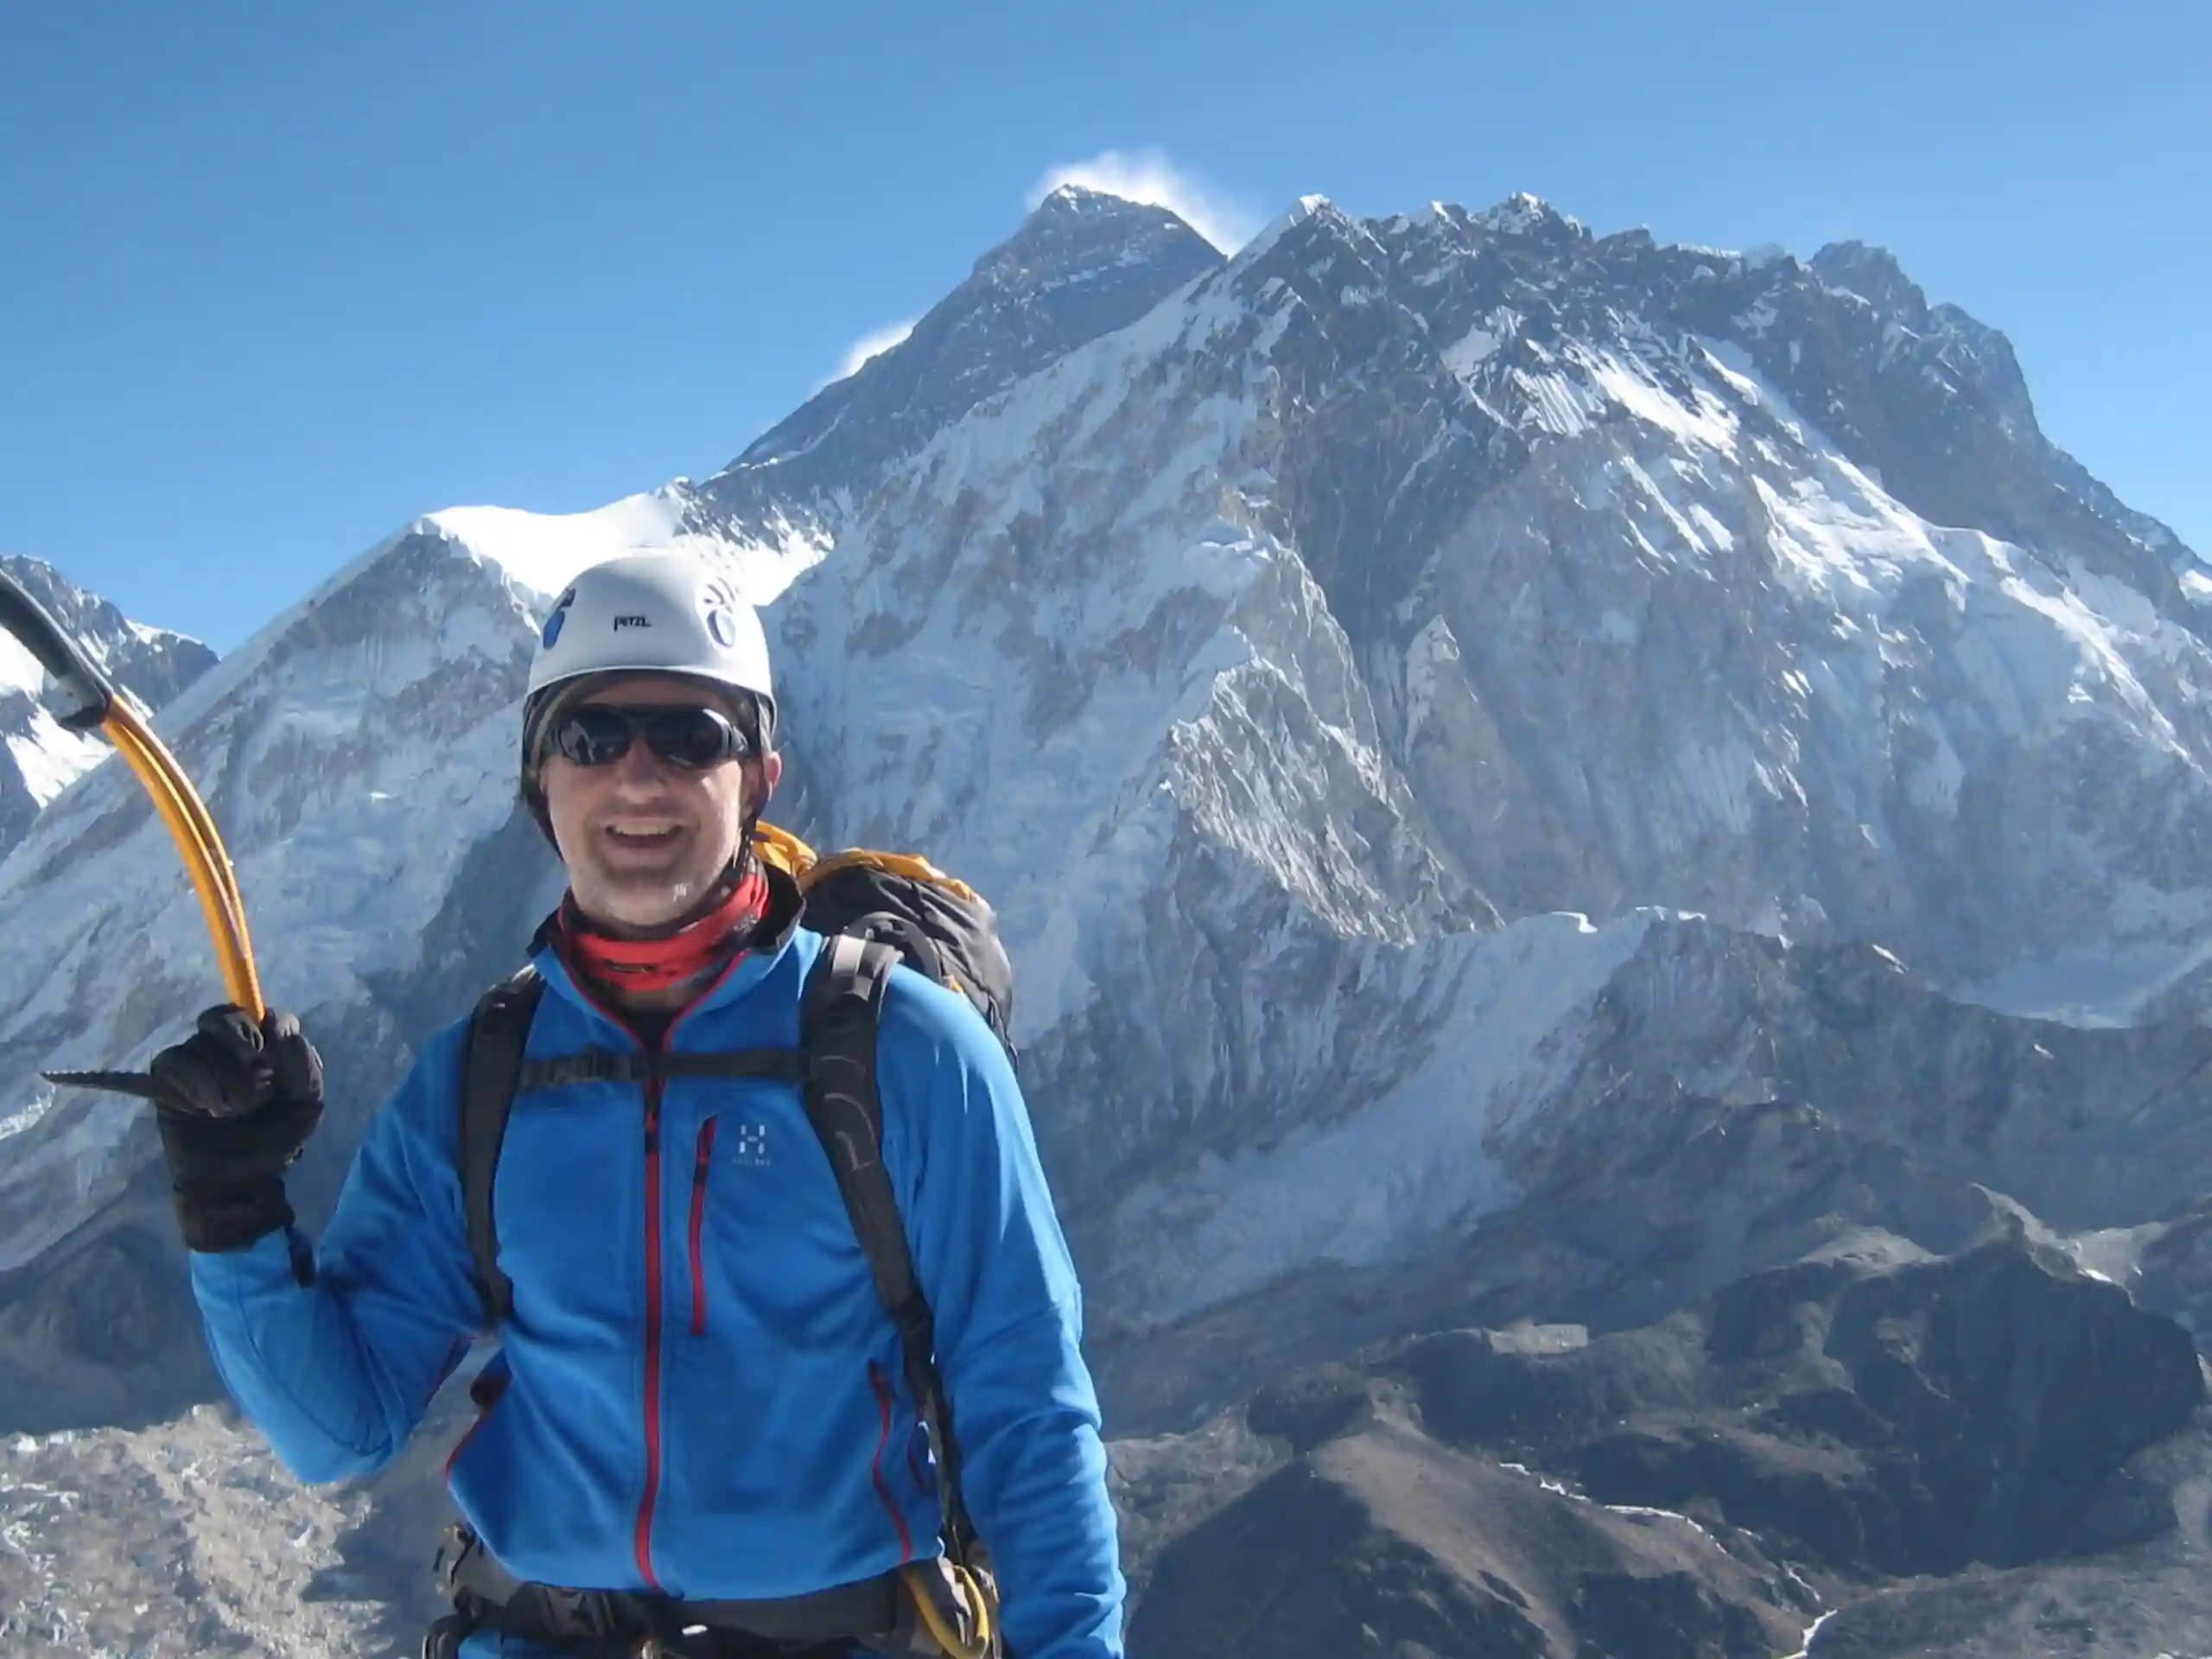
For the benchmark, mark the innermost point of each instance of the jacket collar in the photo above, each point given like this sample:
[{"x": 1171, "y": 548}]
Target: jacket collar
[{"x": 771, "y": 941}]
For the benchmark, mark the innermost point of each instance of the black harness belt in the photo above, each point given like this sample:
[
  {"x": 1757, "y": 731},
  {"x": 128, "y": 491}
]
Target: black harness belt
[{"x": 877, "y": 1613}]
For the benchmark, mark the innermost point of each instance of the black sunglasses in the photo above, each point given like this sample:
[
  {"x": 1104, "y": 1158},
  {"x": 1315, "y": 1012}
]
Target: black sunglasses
[{"x": 599, "y": 733}]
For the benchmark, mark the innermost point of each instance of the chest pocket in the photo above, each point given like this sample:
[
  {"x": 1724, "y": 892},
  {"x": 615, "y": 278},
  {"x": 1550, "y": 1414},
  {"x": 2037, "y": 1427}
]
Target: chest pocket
[{"x": 768, "y": 1243}]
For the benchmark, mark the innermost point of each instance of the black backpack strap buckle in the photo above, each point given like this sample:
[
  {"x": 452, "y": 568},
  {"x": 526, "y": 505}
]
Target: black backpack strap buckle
[{"x": 586, "y": 1065}]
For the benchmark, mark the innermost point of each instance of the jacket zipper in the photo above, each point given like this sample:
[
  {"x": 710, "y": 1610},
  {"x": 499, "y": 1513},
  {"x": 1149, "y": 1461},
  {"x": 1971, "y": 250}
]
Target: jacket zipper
[
  {"x": 644, "y": 1538},
  {"x": 699, "y": 1172}
]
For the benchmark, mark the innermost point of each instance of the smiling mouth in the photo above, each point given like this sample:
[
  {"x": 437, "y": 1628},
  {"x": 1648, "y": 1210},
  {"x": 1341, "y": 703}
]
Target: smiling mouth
[{"x": 643, "y": 838}]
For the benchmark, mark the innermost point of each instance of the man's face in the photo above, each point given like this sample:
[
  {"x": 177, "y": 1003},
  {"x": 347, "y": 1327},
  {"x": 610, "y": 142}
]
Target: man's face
[{"x": 643, "y": 838}]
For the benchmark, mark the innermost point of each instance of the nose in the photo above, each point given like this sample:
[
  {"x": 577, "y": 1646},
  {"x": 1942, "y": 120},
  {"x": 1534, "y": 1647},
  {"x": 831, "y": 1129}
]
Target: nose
[{"x": 639, "y": 768}]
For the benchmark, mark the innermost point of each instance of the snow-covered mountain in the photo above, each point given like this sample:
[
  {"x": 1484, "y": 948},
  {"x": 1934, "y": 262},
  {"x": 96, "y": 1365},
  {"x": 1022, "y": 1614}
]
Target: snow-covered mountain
[
  {"x": 41, "y": 759},
  {"x": 1470, "y": 727},
  {"x": 1258, "y": 632}
]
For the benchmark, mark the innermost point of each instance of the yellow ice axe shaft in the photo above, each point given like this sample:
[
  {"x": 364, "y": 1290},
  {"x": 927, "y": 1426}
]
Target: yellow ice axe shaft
[
  {"x": 100, "y": 705},
  {"x": 205, "y": 859}
]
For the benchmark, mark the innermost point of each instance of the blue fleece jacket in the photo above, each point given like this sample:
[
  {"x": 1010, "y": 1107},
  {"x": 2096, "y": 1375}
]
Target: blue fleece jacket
[{"x": 703, "y": 1395}]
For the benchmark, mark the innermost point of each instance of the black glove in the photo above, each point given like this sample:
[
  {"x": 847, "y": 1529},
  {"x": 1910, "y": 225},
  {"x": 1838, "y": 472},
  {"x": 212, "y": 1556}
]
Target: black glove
[{"x": 236, "y": 1103}]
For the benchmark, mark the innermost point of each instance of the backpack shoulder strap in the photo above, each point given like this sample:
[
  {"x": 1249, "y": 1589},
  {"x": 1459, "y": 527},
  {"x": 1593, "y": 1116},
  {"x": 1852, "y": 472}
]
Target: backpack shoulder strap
[
  {"x": 840, "y": 1018},
  {"x": 490, "y": 1071}
]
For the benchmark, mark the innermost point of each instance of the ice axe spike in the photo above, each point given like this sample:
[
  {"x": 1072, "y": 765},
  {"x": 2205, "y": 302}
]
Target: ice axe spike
[{"x": 100, "y": 706}]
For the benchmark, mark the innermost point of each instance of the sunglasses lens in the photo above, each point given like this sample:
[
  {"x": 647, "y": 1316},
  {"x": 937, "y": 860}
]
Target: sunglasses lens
[
  {"x": 693, "y": 738},
  {"x": 598, "y": 734},
  {"x": 593, "y": 736}
]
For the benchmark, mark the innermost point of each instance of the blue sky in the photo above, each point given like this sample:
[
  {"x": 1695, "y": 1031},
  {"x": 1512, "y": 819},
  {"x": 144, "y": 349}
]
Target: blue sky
[{"x": 274, "y": 278}]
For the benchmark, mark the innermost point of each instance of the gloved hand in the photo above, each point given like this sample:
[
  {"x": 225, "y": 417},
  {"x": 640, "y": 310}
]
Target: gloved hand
[{"x": 235, "y": 1103}]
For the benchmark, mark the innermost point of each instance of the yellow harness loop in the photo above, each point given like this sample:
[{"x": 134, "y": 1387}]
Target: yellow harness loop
[{"x": 973, "y": 1589}]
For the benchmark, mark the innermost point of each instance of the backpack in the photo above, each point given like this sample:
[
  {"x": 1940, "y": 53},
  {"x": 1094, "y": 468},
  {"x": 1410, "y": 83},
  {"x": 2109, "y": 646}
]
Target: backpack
[{"x": 878, "y": 909}]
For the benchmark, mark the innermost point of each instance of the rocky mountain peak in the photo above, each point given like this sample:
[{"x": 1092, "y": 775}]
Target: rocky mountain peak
[
  {"x": 1307, "y": 220},
  {"x": 1936, "y": 401},
  {"x": 1523, "y": 214},
  {"x": 1071, "y": 203},
  {"x": 1875, "y": 276},
  {"x": 1082, "y": 264},
  {"x": 1074, "y": 231}
]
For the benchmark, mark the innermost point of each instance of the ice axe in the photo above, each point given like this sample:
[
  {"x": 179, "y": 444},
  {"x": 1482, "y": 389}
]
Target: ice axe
[{"x": 100, "y": 705}]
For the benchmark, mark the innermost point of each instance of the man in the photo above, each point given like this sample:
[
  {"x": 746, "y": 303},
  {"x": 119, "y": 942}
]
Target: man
[{"x": 698, "y": 1396}]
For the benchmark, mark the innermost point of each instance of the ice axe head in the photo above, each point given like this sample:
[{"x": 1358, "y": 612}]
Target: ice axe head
[
  {"x": 95, "y": 705},
  {"x": 91, "y": 695}
]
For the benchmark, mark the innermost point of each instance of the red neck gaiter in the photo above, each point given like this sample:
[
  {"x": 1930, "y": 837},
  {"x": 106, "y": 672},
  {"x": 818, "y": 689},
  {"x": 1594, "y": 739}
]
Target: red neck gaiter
[{"x": 712, "y": 941}]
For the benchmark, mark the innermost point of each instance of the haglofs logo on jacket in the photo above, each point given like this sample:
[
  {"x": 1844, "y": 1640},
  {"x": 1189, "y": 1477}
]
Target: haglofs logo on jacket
[{"x": 752, "y": 1148}]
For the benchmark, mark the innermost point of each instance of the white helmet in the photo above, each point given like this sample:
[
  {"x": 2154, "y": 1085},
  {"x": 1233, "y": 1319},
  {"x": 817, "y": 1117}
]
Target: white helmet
[{"x": 663, "y": 612}]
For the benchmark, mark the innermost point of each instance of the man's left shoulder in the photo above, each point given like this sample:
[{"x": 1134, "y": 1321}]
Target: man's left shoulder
[{"x": 932, "y": 1027}]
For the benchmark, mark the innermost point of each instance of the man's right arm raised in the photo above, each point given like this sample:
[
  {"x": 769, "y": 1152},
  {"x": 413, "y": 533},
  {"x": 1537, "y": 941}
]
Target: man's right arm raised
[{"x": 335, "y": 1352}]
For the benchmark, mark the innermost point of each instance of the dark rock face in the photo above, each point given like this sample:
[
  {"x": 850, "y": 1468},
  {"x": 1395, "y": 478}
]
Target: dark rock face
[
  {"x": 1927, "y": 398},
  {"x": 1853, "y": 1418},
  {"x": 2088, "y": 1127},
  {"x": 1381, "y": 1541},
  {"x": 100, "y": 1333},
  {"x": 1909, "y": 1420},
  {"x": 18, "y": 804},
  {"x": 1659, "y": 1201},
  {"x": 1937, "y": 405},
  {"x": 2155, "y": 1597}
]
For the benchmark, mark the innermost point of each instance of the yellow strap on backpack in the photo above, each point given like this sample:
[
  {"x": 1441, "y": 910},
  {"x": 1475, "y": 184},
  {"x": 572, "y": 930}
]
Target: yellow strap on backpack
[
  {"x": 800, "y": 862},
  {"x": 784, "y": 850}
]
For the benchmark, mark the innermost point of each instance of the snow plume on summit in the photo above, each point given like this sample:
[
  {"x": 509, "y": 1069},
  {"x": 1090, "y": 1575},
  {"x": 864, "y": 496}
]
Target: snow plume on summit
[{"x": 1149, "y": 176}]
